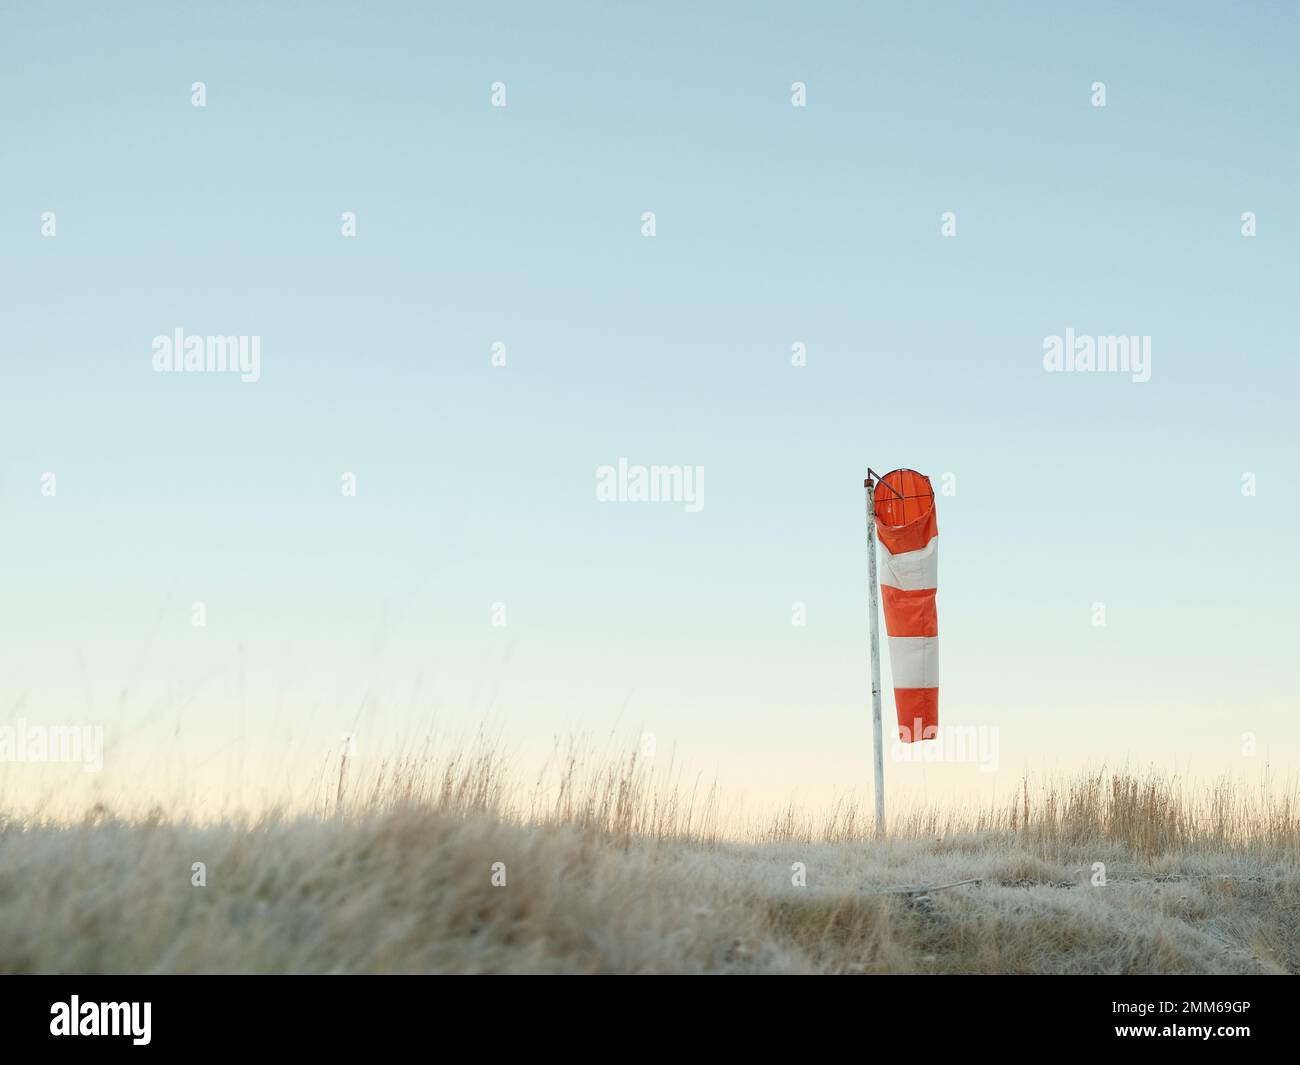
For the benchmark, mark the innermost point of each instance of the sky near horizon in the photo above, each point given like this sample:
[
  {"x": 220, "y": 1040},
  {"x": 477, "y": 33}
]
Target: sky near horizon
[{"x": 949, "y": 196}]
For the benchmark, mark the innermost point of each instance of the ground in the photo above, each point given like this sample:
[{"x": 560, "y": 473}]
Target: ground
[{"x": 610, "y": 880}]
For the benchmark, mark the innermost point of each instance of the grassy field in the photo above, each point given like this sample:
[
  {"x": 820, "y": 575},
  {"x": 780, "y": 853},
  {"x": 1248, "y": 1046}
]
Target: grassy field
[{"x": 615, "y": 872}]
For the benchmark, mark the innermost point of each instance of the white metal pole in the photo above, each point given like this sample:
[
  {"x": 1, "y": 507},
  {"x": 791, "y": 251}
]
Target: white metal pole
[{"x": 873, "y": 616}]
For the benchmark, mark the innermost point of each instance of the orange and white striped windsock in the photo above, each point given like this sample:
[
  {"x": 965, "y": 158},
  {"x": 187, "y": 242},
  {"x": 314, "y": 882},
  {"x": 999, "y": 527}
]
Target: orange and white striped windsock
[{"x": 909, "y": 575}]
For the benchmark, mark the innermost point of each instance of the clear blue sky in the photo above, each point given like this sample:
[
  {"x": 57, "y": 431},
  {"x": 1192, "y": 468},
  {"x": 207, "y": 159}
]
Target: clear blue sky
[{"x": 775, "y": 224}]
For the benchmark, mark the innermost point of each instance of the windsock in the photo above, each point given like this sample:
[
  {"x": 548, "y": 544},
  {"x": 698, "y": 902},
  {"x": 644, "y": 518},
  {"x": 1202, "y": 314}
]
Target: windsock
[{"x": 909, "y": 576}]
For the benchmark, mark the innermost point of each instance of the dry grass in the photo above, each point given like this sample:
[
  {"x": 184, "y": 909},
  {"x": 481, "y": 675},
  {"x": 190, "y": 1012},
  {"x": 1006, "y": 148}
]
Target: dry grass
[{"x": 616, "y": 870}]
